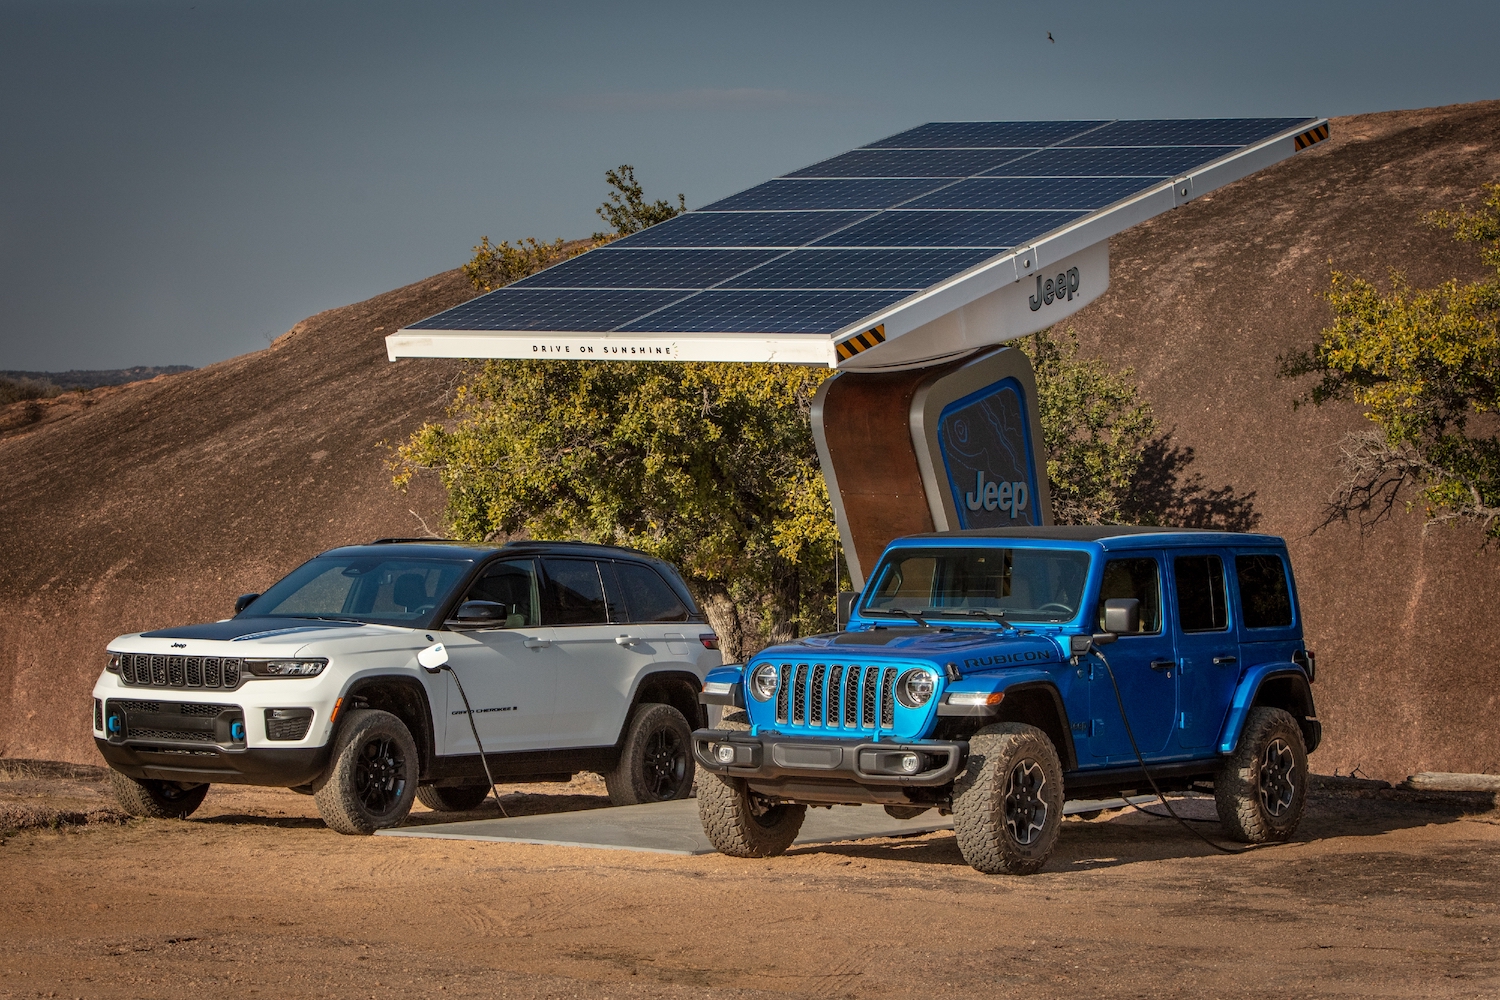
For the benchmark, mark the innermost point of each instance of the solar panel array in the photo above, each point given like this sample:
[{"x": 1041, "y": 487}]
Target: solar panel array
[{"x": 822, "y": 247}]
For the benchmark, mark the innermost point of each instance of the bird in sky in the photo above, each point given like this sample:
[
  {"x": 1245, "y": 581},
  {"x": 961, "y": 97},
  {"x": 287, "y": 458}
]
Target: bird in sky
[{"x": 1051, "y": 39}]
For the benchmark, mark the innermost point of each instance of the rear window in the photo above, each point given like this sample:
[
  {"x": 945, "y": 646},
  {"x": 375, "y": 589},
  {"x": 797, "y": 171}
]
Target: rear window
[
  {"x": 1265, "y": 600},
  {"x": 647, "y": 596}
]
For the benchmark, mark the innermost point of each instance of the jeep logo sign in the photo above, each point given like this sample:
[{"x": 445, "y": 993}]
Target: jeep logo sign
[
  {"x": 985, "y": 446},
  {"x": 1051, "y": 290},
  {"x": 1012, "y": 497}
]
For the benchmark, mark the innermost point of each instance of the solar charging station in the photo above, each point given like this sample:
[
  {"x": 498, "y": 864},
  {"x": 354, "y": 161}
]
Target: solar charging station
[{"x": 905, "y": 265}]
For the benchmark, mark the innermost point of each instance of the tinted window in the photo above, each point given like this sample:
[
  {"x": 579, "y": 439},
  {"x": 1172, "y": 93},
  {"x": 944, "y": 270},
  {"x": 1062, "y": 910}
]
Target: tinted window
[
  {"x": 1201, "y": 605},
  {"x": 648, "y": 596},
  {"x": 577, "y": 596},
  {"x": 1265, "y": 601},
  {"x": 1133, "y": 578},
  {"x": 392, "y": 591},
  {"x": 1024, "y": 584},
  {"x": 513, "y": 584}
]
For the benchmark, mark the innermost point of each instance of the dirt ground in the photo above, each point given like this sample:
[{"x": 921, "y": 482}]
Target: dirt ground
[{"x": 1385, "y": 893}]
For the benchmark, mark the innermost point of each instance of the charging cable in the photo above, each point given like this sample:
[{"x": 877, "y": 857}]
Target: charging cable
[
  {"x": 445, "y": 665},
  {"x": 1095, "y": 650}
]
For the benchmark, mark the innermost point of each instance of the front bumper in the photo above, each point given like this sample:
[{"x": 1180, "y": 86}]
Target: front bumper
[
  {"x": 285, "y": 767},
  {"x": 768, "y": 757}
]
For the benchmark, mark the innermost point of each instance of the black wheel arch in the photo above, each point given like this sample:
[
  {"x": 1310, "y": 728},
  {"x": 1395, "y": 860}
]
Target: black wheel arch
[
  {"x": 1040, "y": 704},
  {"x": 1289, "y": 690},
  {"x": 406, "y": 699},
  {"x": 677, "y": 688}
]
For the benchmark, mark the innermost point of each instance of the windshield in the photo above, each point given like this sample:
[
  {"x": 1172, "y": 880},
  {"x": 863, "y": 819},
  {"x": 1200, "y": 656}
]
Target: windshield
[
  {"x": 385, "y": 590},
  {"x": 1031, "y": 585}
]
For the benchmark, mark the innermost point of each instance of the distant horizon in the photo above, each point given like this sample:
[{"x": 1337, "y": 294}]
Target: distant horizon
[{"x": 184, "y": 180}]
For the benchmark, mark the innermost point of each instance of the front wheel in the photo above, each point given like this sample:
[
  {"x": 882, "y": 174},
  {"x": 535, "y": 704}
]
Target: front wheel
[
  {"x": 656, "y": 761},
  {"x": 153, "y": 799},
  {"x": 372, "y": 780},
  {"x": 1008, "y": 803},
  {"x": 742, "y": 824},
  {"x": 1261, "y": 789}
]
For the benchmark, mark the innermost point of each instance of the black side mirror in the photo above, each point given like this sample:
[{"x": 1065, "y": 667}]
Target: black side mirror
[
  {"x": 243, "y": 601},
  {"x": 847, "y": 600},
  {"x": 481, "y": 611},
  {"x": 1122, "y": 615}
]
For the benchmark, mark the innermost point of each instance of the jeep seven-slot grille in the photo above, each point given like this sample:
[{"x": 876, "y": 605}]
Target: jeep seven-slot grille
[
  {"x": 836, "y": 696},
  {"x": 146, "y": 670}
]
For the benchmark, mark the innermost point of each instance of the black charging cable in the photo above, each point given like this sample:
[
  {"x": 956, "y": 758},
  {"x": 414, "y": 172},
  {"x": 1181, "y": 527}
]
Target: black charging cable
[
  {"x": 475, "y": 730},
  {"x": 1095, "y": 650}
]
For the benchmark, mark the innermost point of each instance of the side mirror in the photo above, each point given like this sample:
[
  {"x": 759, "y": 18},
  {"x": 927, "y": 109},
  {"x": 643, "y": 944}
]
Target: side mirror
[
  {"x": 1122, "y": 615},
  {"x": 243, "y": 601},
  {"x": 847, "y": 600},
  {"x": 481, "y": 611},
  {"x": 434, "y": 658}
]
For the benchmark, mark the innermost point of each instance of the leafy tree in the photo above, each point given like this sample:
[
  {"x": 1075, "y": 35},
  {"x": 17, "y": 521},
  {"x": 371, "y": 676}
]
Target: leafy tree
[
  {"x": 1425, "y": 364},
  {"x": 495, "y": 265},
  {"x": 627, "y": 209}
]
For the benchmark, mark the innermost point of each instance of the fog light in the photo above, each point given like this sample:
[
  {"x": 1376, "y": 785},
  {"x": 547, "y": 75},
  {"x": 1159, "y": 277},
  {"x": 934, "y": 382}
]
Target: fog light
[
  {"x": 724, "y": 753},
  {"x": 911, "y": 763}
]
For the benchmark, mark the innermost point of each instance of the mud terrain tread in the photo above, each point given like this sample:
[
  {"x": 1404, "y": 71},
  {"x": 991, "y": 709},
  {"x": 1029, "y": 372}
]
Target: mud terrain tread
[
  {"x": 978, "y": 799},
  {"x": 149, "y": 798},
  {"x": 1237, "y": 786},
  {"x": 452, "y": 798},
  {"x": 337, "y": 799},
  {"x": 724, "y": 809},
  {"x": 625, "y": 783}
]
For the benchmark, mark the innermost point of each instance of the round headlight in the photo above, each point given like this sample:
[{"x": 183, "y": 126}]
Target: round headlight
[
  {"x": 763, "y": 682},
  {"x": 914, "y": 688}
]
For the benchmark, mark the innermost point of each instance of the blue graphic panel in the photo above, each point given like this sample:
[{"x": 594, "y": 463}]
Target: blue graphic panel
[{"x": 985, "y": 443}]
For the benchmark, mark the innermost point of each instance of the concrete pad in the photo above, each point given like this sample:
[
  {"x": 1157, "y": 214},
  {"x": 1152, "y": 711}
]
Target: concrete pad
[{"x": 673, "y": 827}]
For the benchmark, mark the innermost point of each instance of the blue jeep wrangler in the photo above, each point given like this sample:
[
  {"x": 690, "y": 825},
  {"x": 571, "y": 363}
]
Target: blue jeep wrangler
[{"x": 971, "y": 679}]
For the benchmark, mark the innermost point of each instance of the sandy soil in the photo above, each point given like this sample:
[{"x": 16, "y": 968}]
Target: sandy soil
[{"x": 1386, "y": 893}]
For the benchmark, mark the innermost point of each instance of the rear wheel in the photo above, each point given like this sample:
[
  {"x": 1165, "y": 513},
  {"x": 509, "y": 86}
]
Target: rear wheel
[
  {"x": 656, "y": 762},
  {"x": 1261, "y": 790},
  {"x": 1008, "y": 803},
  {"x": 452, "y": 798},
  {"x": 372, "y": 780},
  {"x": 153, "y": 799}
]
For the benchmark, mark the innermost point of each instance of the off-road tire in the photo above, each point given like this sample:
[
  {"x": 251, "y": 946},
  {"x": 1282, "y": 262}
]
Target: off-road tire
[
  {"x": 1261, "y": 789},
  {"x": 740, "y": 824},
  {"x": 656, "y": 760},
  {"x": 371, "y": 782},
  {"x": 1012, "y": 775},
  {"x": 452, "y": 798},
  {"x": 153, "y": 799}
]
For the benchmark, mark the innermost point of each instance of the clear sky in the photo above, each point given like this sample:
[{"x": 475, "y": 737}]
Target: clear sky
[{"x": 182, "y": 181}]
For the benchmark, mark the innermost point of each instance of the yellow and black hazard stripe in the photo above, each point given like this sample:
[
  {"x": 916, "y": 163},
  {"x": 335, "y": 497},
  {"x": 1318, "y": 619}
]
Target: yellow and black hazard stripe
[
  {"x": 861, "y": 342},
  {"x": 1311, "y": 136}
]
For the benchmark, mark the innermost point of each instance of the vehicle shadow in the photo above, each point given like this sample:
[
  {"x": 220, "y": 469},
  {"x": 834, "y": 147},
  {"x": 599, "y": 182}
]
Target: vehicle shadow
[{"x": 1336, "y": 808}]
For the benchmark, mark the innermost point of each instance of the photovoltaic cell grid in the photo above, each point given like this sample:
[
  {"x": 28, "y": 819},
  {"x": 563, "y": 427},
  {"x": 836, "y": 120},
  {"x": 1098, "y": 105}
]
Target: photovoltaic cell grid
[{"x": 818, "y": 249}]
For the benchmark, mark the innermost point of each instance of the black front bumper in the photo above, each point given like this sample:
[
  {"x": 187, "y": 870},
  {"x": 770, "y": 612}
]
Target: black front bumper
[
  {"x": 277, "y": 766},
  {"x": 860, "y": 761}
]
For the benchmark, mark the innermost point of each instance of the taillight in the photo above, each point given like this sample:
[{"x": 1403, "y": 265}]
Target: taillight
[{"x": 709, "y": 640}]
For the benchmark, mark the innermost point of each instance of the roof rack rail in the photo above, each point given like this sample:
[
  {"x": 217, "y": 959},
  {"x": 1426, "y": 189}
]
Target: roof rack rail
[{"x": 432, "y": 541}]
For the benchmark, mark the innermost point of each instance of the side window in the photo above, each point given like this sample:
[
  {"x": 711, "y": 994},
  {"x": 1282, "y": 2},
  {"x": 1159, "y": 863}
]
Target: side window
[
  {"x": 1137, "y": 578},
  {"x": 513, "y": 584},
  {"x": 649, "y": 597},
  {"x": 1201, "y": 603},
  {"x": 1265, "y": 601},
  {"x": 576, "y": 595}
]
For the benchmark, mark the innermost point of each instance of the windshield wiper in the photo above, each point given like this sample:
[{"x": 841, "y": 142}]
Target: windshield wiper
[
  {"x": 998, "y": 617},
  {"x": 897, "y": 613}
]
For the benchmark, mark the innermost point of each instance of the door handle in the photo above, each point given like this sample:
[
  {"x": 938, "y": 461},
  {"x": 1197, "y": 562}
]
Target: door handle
[
  {"x": 626, "y": 640},
  {"x": 1221, "y": 661},
  {"x": 537, "y": 643},
  {"x": 1163, "y": 664}
]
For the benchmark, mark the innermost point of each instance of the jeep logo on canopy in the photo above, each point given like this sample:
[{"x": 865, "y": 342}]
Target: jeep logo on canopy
[{"x": 1051, "y": 290}]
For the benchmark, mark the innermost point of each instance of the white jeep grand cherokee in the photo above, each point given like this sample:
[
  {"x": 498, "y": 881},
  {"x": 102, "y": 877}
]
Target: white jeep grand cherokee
[{"x": 573, "y": 657}]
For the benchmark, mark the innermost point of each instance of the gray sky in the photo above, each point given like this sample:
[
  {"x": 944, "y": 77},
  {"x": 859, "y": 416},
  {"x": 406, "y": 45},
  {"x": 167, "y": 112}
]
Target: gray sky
[{"x": 181, "y": 181}]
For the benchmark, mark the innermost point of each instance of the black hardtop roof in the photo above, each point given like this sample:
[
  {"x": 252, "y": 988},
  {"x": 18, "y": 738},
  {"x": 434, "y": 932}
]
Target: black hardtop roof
[
  {"x": 1108, "y": 532},
  {"x": 451, "y": 547}
]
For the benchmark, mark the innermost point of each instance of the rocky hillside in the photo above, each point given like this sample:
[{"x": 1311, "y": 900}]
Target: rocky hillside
[{"x": 157, "y": 502}]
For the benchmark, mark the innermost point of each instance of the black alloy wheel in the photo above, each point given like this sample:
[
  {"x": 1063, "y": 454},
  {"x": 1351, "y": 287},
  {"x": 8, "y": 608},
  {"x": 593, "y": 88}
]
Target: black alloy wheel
[
  {"x": 1025, "y": 806},
  {"x": 1278, "y": 786},
  {"x": 380, "y": 774},
  {"x": 666, "y": 761}
]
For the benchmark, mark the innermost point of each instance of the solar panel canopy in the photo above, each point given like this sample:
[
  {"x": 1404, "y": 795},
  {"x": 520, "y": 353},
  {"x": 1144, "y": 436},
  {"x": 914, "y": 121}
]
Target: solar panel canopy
[{"x": 928, "y": 244}]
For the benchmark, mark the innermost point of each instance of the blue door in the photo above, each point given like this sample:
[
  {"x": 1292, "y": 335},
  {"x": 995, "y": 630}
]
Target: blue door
[
  {"x": 1207, "y": 647},
  {"x": 1144, "y": 666}
]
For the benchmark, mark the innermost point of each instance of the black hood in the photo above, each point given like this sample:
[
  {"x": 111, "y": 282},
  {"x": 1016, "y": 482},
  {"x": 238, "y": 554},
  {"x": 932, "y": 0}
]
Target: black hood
[{"x": 240, "y": 628}]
